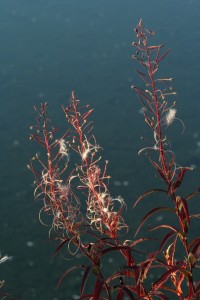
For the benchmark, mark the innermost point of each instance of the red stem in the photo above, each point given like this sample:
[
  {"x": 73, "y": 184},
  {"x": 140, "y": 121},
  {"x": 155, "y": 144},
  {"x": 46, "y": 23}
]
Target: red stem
[{"x": 159, "y": 130}]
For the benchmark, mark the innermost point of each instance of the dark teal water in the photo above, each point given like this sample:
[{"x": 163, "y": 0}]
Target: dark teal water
[{"x": 47, "y": 49}]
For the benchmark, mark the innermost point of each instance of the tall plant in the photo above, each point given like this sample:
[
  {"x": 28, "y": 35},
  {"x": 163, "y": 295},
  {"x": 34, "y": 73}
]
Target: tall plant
[{"x": 85, "y": 218}]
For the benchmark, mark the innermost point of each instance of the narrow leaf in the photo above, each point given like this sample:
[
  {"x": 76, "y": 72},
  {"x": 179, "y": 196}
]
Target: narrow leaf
[
  {"x": 142, "y": 93},
  {"x": 98, "y": 288},
  {"x": 164, "y": 226},
  {"x": 140, "y": 240},
  {"x": 126, "y": 290},
  {"x": 188, "y": 197},
  {"x": 117, "y": 248},
  {"x": 160, "y": 171},
  {"x": 185, "y": 207},
  {"x": 67, "y": 272},
  {"x": 85, "y": 278},
  {"x": 154, "y": 47},
  {"x": 61, "y": 245},
  {"x": 149, "y": 214},
  {"x": 158, "y": 284},
  {"x": 85, "y": 115},
  {"x": 195, "y": 248},
  {"x": 179, "y": 180},
  {"x": 197, "y": 216},
  {"x": 165, "y": 239},
  {"x": 163, "y": 56},
  {"x": 148, "y": 193},
  {"x": 120, "y": 295}
]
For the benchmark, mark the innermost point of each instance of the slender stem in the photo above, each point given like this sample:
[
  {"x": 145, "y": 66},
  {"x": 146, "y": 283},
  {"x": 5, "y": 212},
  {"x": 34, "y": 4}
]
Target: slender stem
[{"x": 155, "y": 98}]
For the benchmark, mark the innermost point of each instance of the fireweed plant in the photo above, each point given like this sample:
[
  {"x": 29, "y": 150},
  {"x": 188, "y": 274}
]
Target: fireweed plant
[{"x": 84, "y": 218}]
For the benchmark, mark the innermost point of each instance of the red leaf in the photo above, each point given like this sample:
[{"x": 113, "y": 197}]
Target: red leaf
[
  {"x": 61, "y": 245},
  {"x": 85, "y": 115},
  {"x": 98, "y": 288},
  {"x": 154, "y": 47},
  {"x": 161, "y": 58},
  {"x": 117, "y": 275},
  {"x": 185, "y": 207},
  {"x": 140, "y": 241},
  {"x": 67, "y": 272},
  {"x": 147, "y": 106},
  {"x": 160, "y": 171},
  {"x": 142, "y": 93},
  {"x": 165, "y": 226},
  {"x": 149, "y": 214},
  {"x": 118, "y": 248},
  {"x": 148, "y": 193},
  {"x": 85, "y": 278},
  {"x": 195, "y": 248},
  {"x": 120, "y": 295},
  {"x": 188, "y": 197},
  {"x": 183, "y": 212},
  {"x": 197, "y": 216},
  {"x": 158, "y": 284},
  {"x": 165, "y": 239},
  {"x": 179, "y": 180},
  {"x": 126, "y": 290}
]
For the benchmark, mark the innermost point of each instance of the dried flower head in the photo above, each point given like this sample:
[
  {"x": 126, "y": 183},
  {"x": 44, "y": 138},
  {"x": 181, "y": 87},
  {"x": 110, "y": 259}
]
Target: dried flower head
[{"x": 170, "y": 116}]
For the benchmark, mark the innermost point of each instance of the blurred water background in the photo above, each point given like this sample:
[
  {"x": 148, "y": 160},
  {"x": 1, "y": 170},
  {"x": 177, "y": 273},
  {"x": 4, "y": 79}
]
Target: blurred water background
[{"x": 49, "y": 48}]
